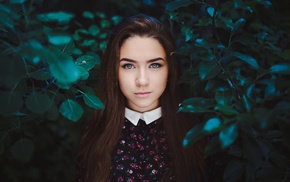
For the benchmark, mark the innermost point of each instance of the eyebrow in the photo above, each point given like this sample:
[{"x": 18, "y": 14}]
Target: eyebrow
[{"x": 148, "y": 61}]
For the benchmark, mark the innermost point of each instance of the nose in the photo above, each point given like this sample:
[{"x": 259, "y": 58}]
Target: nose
[{"x": 142, "y": 78}]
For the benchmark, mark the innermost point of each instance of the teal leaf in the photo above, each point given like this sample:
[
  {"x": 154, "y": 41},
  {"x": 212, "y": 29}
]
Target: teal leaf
[
  {"x": 84, "y": 74},
  {"x": 17, "y": 1},
  {"x": 212, "y": 125},
  {"x": 88, "y": 14},
  {"x": 208, "y": 70},
  {"x": 116, "y": 19},
  {"x": 282, "y": 68},
  {"x": 53, "y": 113},
  {"x": 196, "y": 105},
  {"x": 62, "y": 67},
  {"x": 10, "y": 102},
  {"x": 248, "y": 59},
  {"x": 172, "y": 6},
  {"x": 193, "y": 135},
  {"x": 210, "y": 11},
  {"x": 212, "y": 147},
  {"x": 228, "y": 135},
  {"x": 22, "y": 149},
  {"x": 223, "y": 96},
  {"x": 87, "y": 61},
  {"x": 71, "y": 110},
  {"x": 41, "y": 74},
  {"x": 226, "y": 109},
  {"x": 105, "y": 24},
  {"x": 237, "y": 26},
  {"x": 60, "y": 17},
  {"x": 58, "y": 38},
  {"x": 94, "y": 30},
  {"x": 38, "y": 103},
  {"x": 93, "y": 101}
]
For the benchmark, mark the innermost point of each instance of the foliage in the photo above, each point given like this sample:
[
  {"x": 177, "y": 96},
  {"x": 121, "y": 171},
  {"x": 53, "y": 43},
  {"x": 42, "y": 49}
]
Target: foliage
[
  {"x": 236, "y": 63},
  {"x": 47, "y": 76},
  {"x": 235, "y": 57}
]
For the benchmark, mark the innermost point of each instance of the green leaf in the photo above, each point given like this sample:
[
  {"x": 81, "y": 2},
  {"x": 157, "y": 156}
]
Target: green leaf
[
  {"x": 226, "y": 109},
  {"x": 212, "y": 147},
  {"x": 228, "y": 135},
  {"x": 41, "y": 74},
  {"x": 196, "y": 105},
  {"x": 93, "y": 101},
  {"x": 17, "y": 1},
  {"x": 208, "y": 70},
  {"x": 71, "y": 110},
  {"x": 210, "y": 11},
  {"x": 53, "y": 113},
  {"x": 237, "y": 26},
  {"x": 282, "y": 68},
  {"x": 234, "y": 170},
  {"x": 94, "y": 30},
  {"x": 84, "y": 74},
  {"x": 12, "y": 70},
  {"x": 87, "y": 61},
  {"x": 116, "y": 19},
  {"x": 88, "y": 14},
  {"x": 212, "y": 125},
  {"x": 60, "y": 17},
  {"x": 105, "y": 24},
  {"x": 58, "y": 38},
  {"x": 172, "y": 6},
  {"x": 22, "y": 149},
  {"x": 193, "y": 135},
  {"x": 248, "y": 59},
  {"x": 223, "y": 96},
  {"x": 252, "y": 151},
  {"x": 38, "y": 103},
  {"x": 10, "y": 103}
]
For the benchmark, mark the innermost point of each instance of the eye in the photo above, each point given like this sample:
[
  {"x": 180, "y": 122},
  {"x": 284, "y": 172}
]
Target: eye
[
  {"x": 155, "y": 65},
  {"x": 128, "y": 66}
]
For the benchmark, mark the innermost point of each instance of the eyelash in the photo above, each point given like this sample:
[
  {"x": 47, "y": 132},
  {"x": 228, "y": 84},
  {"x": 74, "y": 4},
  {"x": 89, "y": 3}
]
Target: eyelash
[{"x": 154, "y": 66}]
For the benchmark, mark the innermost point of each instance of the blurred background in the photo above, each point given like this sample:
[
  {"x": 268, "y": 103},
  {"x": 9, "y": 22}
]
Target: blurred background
[{"x": 235, "y": 62}]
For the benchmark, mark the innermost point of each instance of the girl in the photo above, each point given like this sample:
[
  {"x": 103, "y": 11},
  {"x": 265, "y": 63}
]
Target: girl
[{"x": 138, "y": 135}]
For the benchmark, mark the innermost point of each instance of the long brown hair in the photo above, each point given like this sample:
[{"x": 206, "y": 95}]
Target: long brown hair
[{"x": 103, "y": 130}]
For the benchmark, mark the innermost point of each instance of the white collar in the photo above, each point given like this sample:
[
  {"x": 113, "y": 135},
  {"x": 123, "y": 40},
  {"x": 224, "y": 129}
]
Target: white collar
[{"x": 148, "y": 117}]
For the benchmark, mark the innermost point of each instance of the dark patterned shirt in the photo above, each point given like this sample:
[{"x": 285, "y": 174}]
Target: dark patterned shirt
[{"x": 141, "y": 153}]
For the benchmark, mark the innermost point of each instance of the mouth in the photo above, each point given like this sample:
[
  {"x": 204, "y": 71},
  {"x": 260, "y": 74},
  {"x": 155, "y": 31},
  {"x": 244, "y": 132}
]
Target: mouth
[{"x": 142, "y": 94}]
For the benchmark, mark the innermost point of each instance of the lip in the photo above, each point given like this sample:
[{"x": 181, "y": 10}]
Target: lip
[{"x": 142, "y": 94}]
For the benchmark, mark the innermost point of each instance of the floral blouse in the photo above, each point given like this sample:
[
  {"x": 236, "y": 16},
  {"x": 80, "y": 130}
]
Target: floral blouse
[{"x": 141, "y": 153}]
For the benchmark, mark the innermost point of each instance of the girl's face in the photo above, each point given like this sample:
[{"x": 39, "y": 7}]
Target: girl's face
[{"x": 142, "y": 73}]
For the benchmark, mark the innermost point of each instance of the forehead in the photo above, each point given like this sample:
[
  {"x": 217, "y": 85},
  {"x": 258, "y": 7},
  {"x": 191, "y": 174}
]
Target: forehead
[{"x": 141, "y": 48}]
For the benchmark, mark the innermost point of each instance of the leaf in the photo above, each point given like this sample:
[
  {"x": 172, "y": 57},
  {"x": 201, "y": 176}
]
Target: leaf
[
  {"x": 22, "y": 149},
  {"x": 84, "y": 74},
  {"x": 234, "y": 170},
  {"x": 212, "y": 147},
  {"x": 228, "y": 135},
  {"x": 237, "y": 25},
  {"x": 88, "y": 14},
  {"x": 60, "y": 17},
  {"x": 282, "y": 68},
  {"x": 71, "y": 110},
  {"x": 210, "y": 11},
  {"x": 213, "y": 124},
  {"x": 93, "y": 101},
  {"x": 252, "y": 151},
  {"x": 193, "y": 135},
  {"x": 53, "y": 113},
  {"x": 196, "y": 105},
  {"x": 223, "y": 96},
  {"x": 172, "y": 6},
  {"x": 38, "y": 103},
  {"x": 248, "y": 59},
  {"x": 208, "y": 70},
  {"x": 87, "y": 61},
  {"x": 17, "y": 1},
  {"x": 58, "y": 38},
  {"x": 41, "y": 74},
  {"x": 226, "y": 109},
  {"x": 94, "y": 30},
  {"x": 10, "y": 103}
]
